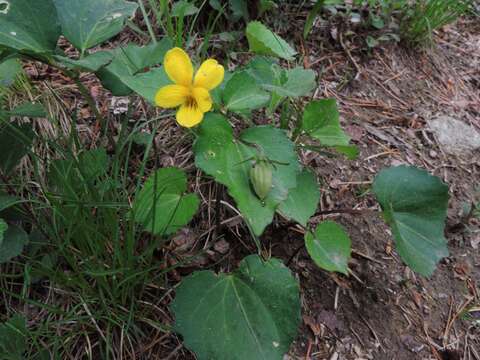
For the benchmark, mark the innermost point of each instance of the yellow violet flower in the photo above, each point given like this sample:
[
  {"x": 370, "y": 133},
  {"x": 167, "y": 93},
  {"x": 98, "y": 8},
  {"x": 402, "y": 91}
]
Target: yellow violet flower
[{"x": 190, "y": 93}]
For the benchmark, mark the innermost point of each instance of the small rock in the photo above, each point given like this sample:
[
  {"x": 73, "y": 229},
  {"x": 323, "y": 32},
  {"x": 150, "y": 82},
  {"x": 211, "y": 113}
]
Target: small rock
[
  {"x": 475, "y": 241},
  {"x": 119, "y": 104},
  {"x": 411, "y": 344},
  {"x": 433, "y": 154},
  {"x": 454, "y": 136}
]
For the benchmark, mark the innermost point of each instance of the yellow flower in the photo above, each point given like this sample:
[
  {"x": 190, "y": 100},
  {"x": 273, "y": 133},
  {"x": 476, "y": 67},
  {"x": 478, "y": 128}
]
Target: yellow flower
[{"x": 189, "y": 92}]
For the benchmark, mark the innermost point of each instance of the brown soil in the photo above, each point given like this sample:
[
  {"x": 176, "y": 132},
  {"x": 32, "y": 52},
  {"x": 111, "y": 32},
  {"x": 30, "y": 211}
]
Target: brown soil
[{"x": 385, "y": 311}]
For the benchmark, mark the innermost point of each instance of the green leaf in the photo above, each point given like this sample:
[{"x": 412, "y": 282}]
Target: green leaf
[
  {"x": 266, "y": 5},
  {"x": 3, "y": 228},
  {"x": 329, "y": 247},
  {"x": 302, "y": 200},
  {"x": 91, "y": 62},
  {"x": 414, "y": 204},
  {"x": 147, "y": 84},
  {"x": 299, "y": 82},
  {"x": 252, "y": 313},
  {"x": 10, "y": 70},
  {"x": 264, "y": 42},
  {"x": 29, "y": 110},
  {"x": 15, "y": 141},
  {"x": 29, "y": 27},
  {"x": 222, "y": 156},
  {"x": 242, "y": 93},
  {"x": 278, "y": 148},
  {"x": 161, "y": 206},
  {"x": 265, "y": 70},
  {"x": 86, "y": 23},
  {"x": 13, "y": 334},
  {"x": 280, "y": 82},
  {"x": 321, "y": 120},
  {"x": 14, "y": 240},
  {"x": 183, "y": 8},
  {"x": 127, "y": 70}
]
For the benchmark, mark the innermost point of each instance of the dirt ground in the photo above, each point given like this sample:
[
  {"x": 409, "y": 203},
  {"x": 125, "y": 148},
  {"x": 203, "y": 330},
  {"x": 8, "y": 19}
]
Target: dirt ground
[{"x": 383, "y": 311}]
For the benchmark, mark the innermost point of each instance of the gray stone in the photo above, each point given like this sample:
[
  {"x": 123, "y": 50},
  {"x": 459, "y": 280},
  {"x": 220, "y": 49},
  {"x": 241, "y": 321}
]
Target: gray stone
[{"x": 454, "y": 136}]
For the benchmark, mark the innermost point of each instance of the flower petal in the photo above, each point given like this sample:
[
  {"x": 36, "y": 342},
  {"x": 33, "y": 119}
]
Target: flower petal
[
  {"x": 189, "y": 116},
  {"x": 202, "y": 98},
  {"x": 171, "y": 96},
  {"x": 178, "y": 66},
  {"x": 209, "y": 75}
]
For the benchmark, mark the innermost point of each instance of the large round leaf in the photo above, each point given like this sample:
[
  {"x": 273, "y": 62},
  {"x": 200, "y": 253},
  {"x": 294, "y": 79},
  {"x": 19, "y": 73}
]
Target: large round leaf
[
  {"x": 329, "y": 247},
  {"x": 161, "y": 206},
  {"x": 228, "y": 160},
  {"x": 414, "y": 204},
  {"x": 86, "y": 23},
  {"x": 251, "y": 314},
  {"x": 27, "y": 25}
]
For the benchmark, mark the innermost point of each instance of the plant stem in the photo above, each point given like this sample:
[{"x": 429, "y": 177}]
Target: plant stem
[{"x": 90, "y": 100}]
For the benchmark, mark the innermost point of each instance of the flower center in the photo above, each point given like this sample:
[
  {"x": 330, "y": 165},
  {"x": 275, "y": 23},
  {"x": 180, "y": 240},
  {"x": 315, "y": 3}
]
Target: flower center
[{"x": 191, "y": 102}]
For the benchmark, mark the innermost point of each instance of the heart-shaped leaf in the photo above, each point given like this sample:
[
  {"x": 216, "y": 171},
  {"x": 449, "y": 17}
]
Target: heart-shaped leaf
[
  {"x": 414, "y": 204},
  {"x": 264, "y": 42},
  {"x": 161, "y": 206},
  {"x": 86, "y": 23},
  {"x": 229, "y": 161},
  {"x": 302, "y": 200},
  {"x": 329, "y": 246},
  {"x": 321, "y": 120},
  {"x": 127, "y": 70},
  {"x": 252, "y": 313},
  {"x": 29, "y": 26}
]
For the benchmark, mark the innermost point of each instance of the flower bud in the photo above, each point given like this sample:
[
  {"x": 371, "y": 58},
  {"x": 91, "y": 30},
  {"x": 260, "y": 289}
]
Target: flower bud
[{"x": 261, "y": 178}]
